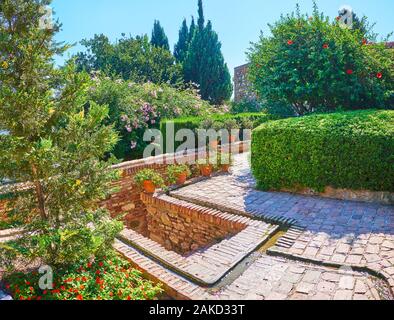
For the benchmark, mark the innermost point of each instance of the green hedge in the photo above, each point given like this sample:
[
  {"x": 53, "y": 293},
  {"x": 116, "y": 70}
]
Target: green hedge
[
  {"x": 352, "y": 150},
  {"x": 193, "y": 123}
]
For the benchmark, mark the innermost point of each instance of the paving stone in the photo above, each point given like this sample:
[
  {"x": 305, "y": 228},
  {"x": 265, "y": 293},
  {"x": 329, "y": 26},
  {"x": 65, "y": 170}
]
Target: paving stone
[
  {"x": 311, "y": 276},
  {"x": 347, "y": 282},
  {"x": 343, "y": 295},
  {"x": 305, "y": 287}
]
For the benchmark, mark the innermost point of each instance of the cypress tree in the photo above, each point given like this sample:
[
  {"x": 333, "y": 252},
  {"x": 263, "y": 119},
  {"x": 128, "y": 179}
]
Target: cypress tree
[
  {"x": 192, "y": 30},
  {"x": 204, "y": 65},
  {"x": 159, "y": 38},
  {"x": 182, "y": 45}
]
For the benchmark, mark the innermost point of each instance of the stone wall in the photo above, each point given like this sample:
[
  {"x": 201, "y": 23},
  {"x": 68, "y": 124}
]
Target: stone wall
[
  {"x": 184, "y": 229},
  {"x": 242, "y": 86}
]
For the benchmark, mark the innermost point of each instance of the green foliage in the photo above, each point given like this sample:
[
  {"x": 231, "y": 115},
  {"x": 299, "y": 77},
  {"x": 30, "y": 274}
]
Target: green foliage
[
  {"x": 246, "y": 106},
  {"x": 133, "y": 108},
  {"x": 134, "y": 59},
  {"x": 173, "y": 172},
  {"x": 224, "y": 158},
  {"x": 159, "y": 38},
  {"x": 204, "y": 65},
  {"x": 352, "y": 150},
  {"x": 149, "y": 175},
  {"x": 312, "y": 64},
  {"x": 53, "y": 142},
  {"x": 108, "y": 278},
  {"x": 215, "y": 121},
  {"x": 182, "y": 45}
]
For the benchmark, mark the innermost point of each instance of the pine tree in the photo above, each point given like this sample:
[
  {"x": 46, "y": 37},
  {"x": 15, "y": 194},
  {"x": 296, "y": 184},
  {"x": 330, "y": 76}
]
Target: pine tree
[
  {"x": 159, "y": 38},
  {"x": 182, "y": 45},
  {"x": 204, "y": 65},
  {"x": 54, "y": 143}
]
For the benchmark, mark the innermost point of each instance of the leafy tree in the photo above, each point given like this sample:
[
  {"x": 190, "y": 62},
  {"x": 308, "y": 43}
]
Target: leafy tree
[
  {"x": 312, "y": 64},
  {"x": 130, "y": 58},
  {"x": 53, "y": 144},
  {"x": 204, "y": 65},
  {"x": 182, "y": 45},
  {"x": 159, "y": 38}
]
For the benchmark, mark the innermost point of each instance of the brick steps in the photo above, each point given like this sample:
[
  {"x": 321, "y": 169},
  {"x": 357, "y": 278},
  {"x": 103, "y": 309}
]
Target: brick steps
[{"x": 207, "y": 266}]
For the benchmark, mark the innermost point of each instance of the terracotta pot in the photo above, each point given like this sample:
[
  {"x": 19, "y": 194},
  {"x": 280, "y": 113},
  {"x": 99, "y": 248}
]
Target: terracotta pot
[
  {"x": 213, "y": 144},
  {"x": 182, "y": 177},
  {"x": 225, "y": 167},
  {"x": 206, "y": 170},
  {"x": 149, "y": 186}
]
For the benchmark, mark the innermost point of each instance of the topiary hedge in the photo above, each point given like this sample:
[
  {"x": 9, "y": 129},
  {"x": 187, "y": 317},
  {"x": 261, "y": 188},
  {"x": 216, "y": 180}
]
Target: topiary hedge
[
  {"x": 193, "y": 123},
  {"x": 352, "y": 150}
]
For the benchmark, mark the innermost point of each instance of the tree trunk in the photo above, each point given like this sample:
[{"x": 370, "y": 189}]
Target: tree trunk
[{"x": 40, "y": 193}]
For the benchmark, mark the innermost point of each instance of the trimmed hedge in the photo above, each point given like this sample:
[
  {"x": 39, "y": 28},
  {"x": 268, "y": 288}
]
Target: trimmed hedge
[
  {"x": 352, "y": 150},
  {"x": 193, "y": 123}
]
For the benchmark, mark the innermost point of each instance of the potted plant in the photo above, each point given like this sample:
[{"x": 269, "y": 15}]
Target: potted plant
[
  {"x": 149, "y": 179},
  {"x": 209, "y": 124},
  {"x": 205, "y": 167},
  {"x": 225, "y": 160},
  {"x": 178, "y": 173},
  {"x": 230, "y": 125}
]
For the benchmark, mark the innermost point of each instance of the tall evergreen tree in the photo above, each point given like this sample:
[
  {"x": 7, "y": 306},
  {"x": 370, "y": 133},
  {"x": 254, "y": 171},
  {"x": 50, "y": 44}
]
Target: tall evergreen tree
[
  {"x": 192, "y": 30},
  {"x": 204, "y": 65},
  {"x": 159, "y": 38},
  {"x": 182, "y": 45},
  {"x": 201, "y": 19}
]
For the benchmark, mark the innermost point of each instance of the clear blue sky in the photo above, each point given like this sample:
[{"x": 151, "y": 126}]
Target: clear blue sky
[{"x": 238, "y": 22}]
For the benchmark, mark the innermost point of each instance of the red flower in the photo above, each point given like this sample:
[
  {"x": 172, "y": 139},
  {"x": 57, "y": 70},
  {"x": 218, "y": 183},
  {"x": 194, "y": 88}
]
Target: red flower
[
  {"x": 325, "y": 46},
  {"x": 338, "y": 18},
  {"x": 45, "y": 292},
  {"x": 79, "y": 297},
  {"x": 89, "y": 265},
  {"x": 379, "y": 75},
  {"x": 84, "y": 279},
  {"x": 31, "y": 289},
  {"x": 365, "y": 41},
  {"x": 27, "y": 282},
  {"x": 290, "y": 42},
  {"x": 101, "y": 264},
  {"x": 128, "y": 298},
  {"x": 98, "y": 272},
  {"x": 349, "y": 71},
  {"x": 98, "y": 280},
  {"x": 62, "y": 288},
  {"x": 39, "y": 298}
]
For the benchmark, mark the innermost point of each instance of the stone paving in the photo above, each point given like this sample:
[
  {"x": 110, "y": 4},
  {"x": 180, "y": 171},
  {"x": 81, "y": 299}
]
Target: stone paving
[
  {"x": 267, "y": 278},
  {"x": 336, "y": 232}
]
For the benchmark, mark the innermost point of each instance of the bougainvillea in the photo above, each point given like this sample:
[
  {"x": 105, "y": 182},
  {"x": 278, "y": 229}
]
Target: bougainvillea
[
  {"x": 314, "y": 64},
  {"x": 109, "y": 278},
  {"x": 136, "y": 107}
]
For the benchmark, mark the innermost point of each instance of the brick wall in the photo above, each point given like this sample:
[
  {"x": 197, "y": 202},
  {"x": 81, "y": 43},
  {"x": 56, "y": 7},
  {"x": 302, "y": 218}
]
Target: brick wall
[{"x": 181, "y": 228}]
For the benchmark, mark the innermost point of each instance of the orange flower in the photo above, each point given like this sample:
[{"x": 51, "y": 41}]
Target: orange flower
[{"x": 79, "y": 297}]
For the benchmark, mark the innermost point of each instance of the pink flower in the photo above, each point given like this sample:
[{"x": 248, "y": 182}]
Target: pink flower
[
  {"x": 128, "y": 128},
  {"x": 153, "y": 121},
  {"x": 133, "y": 145}
]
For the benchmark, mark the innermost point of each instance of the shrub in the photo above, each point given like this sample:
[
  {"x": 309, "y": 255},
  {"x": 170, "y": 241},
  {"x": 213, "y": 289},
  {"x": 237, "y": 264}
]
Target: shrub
[
  {"x": 353, "y": 150},
  {"x": 216, "y": 122},
  {"x": 246, "y": 106},
  {"x": 109, "y": 278},
  {"x": 133, "y": 108},
  {"x": 312, "y": 64}
]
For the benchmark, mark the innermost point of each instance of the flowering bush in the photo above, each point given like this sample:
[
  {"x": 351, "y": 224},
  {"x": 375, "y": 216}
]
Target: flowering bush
[
  {"x": 137, "y": 107},
  {"x": 312, "y": 64},
  {"x": 109, "y": 278}
]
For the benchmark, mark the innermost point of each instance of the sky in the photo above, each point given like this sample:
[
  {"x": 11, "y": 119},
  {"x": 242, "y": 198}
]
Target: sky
[{"x": 237, "y": 22}]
